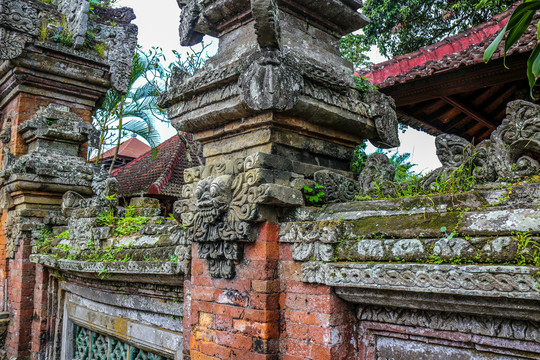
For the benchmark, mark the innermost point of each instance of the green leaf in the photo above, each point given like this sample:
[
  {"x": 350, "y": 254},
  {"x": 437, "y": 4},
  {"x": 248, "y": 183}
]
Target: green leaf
[
  {"x": 518, "y": 30},
  {"x": 536, "y": 66},
  {"x": 530, "y": 63},
  {"x": 494, "y": 45}
]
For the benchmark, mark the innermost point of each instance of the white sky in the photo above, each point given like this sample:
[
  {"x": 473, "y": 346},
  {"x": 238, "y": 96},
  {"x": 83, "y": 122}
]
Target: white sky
[{"x": 158, "y": 26}]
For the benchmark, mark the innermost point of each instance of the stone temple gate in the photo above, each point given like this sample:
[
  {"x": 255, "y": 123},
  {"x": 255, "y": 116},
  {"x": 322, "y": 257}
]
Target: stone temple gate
[{"x": 245, "y": 269}]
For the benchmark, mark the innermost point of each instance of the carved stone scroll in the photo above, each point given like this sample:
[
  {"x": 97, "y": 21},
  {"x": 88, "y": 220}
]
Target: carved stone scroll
[{"x": 76, "y": 13}]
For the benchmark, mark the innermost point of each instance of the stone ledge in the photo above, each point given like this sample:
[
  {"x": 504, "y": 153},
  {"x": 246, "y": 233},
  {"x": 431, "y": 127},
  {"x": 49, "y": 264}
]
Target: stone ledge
[
  {"x": 510, "y": 282},
  {"x": 128, "y": 267}
]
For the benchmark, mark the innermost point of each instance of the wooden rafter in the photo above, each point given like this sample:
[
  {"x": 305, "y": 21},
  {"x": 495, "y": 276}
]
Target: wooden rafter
[{"x": 465, "y": 109}]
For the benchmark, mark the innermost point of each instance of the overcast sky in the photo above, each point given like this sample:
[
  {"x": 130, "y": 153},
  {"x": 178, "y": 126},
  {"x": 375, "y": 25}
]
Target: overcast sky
[{"x": 158, "y": 26}]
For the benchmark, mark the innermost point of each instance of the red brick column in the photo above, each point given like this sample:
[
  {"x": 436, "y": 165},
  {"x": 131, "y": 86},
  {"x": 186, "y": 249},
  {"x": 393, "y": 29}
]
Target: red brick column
[
  {"x": 239, "y": 318},
  {"x": 20, "y": 302},
  {"x": 317, "y": 324},
  {"x": 39, "y": 323}
]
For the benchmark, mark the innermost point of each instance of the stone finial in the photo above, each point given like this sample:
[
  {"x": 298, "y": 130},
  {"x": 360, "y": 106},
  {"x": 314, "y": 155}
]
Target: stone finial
[{"x": 24, "y": 22}]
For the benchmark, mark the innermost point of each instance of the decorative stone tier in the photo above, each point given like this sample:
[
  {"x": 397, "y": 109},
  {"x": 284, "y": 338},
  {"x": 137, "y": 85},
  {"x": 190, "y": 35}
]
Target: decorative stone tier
[
  {"x": 68, "y": 65},
  {"x": 278, "y": 84},
  {"x": 394, "y": 253},
  {"x": 108, "y": 270}
]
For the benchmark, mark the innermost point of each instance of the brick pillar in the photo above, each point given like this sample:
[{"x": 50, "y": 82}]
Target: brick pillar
[
  {"x": 317, "y": 324},
  {"x": 20, "y": 302},
  {"x": 40, "y": 320},
  {"x": 237, "y": 319},
  {"x": 37, "y": 74},
  {"x": 275, "y": 106}
]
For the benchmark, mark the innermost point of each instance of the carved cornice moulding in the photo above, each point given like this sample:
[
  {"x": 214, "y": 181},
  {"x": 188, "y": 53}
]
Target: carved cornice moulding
[{"x": 515, "y": 282}]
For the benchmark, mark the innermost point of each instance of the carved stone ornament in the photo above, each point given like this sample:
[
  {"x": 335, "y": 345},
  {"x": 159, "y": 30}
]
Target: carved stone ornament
[
  {"x": 76, "y": 13},
  {"x": 12, "y": 43},
  {"x": 271, "y": 82},
  {"x": 20, "y": 16},
  {"x": 337, "y": 188},
  {"x": 267, "y": 26},
  {"x": 450, "y": 321},
  {"x": 511, "y": 153},
  {"x": 220, "y": 209},
  {"x": 121, "y": 43},
  {"x": 385, "y": 119},
  {"x": 474, "y": 280},
  {"x": 191, "y": 12},
  {"x": 377, "y": 176}
]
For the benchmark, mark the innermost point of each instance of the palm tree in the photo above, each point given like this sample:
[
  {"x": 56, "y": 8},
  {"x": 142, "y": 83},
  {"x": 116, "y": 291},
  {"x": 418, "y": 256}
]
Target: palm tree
[{"x": 132, "y": 112}]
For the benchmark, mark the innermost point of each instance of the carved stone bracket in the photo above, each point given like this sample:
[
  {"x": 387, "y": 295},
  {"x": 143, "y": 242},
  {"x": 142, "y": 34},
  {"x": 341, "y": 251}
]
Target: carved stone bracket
[
  {"x": 271, "y": 82},
  {"x": 221, "y": 208},
  {"x": 267, "y": 27}
]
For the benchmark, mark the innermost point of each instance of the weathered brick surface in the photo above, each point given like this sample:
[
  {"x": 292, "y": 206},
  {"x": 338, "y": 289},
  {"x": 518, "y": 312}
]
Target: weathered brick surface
[{"x": 239, "y": 318}]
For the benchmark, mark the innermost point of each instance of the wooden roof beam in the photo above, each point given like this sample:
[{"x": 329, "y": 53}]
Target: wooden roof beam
[{"x": 465, "y": 109}]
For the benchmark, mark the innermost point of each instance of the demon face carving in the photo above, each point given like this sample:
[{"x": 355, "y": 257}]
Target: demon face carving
[{"x": 213, "y": 198}]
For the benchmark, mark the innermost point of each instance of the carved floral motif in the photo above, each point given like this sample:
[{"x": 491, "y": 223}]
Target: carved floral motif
[{"x": 449, "y": 321}]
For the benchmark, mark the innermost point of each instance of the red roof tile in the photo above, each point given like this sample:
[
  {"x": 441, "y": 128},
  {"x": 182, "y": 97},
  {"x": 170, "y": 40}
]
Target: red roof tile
[
  {"x": 132, "y": 148},
  {"x": 163, "y": 175},
  {"x": 464, "y": 49}
]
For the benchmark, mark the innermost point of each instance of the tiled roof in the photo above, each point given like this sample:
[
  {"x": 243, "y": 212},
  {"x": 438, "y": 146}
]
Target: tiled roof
[
  {"x": 464, "y": 49},
  {"x": 132, "y": 148},
  {"x": 163, "y": 175}
]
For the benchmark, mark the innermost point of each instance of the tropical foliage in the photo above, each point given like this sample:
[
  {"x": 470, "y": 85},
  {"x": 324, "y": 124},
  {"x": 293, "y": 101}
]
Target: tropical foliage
[
  {"x": 517, "y": 25},
  {"x": 400, "y": 27},
  {"x": 137, "y": 111},
  {"x": 132, "y": 112}
]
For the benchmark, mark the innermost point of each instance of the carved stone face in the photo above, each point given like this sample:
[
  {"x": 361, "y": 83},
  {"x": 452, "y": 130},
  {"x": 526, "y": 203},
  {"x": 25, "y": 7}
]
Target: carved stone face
[{"x": 213, "y": 198}]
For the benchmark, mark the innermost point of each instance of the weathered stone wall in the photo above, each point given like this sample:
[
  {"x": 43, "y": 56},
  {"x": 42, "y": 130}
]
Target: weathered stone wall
[{"x": 245, "y": 270}]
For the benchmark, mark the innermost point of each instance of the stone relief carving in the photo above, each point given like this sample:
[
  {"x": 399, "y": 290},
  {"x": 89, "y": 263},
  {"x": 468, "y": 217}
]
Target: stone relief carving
[
  {"x": 271, "y": 82},
  {"x": 309, "y": 232},
  {"x": 385, "y": 119},
  {"x": 377, "y": 176},
  {"x": 315, "y": 251},
  {"x": 220, "y": 209},
  {"x": 76, "y": 13},
  {"x": 267, "y": 26},
  {"x": 511, "y": 152},
  {"x": 5, "y": 135},
  {"x": 12, "y": 43},
  {"x": 20, "y": 16},
  {"x": 337, "y": 188},
  {"x": 510, "y": 281},
  {"x": 121, "y": 43},
  {"x": 449, "y": 321}
]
